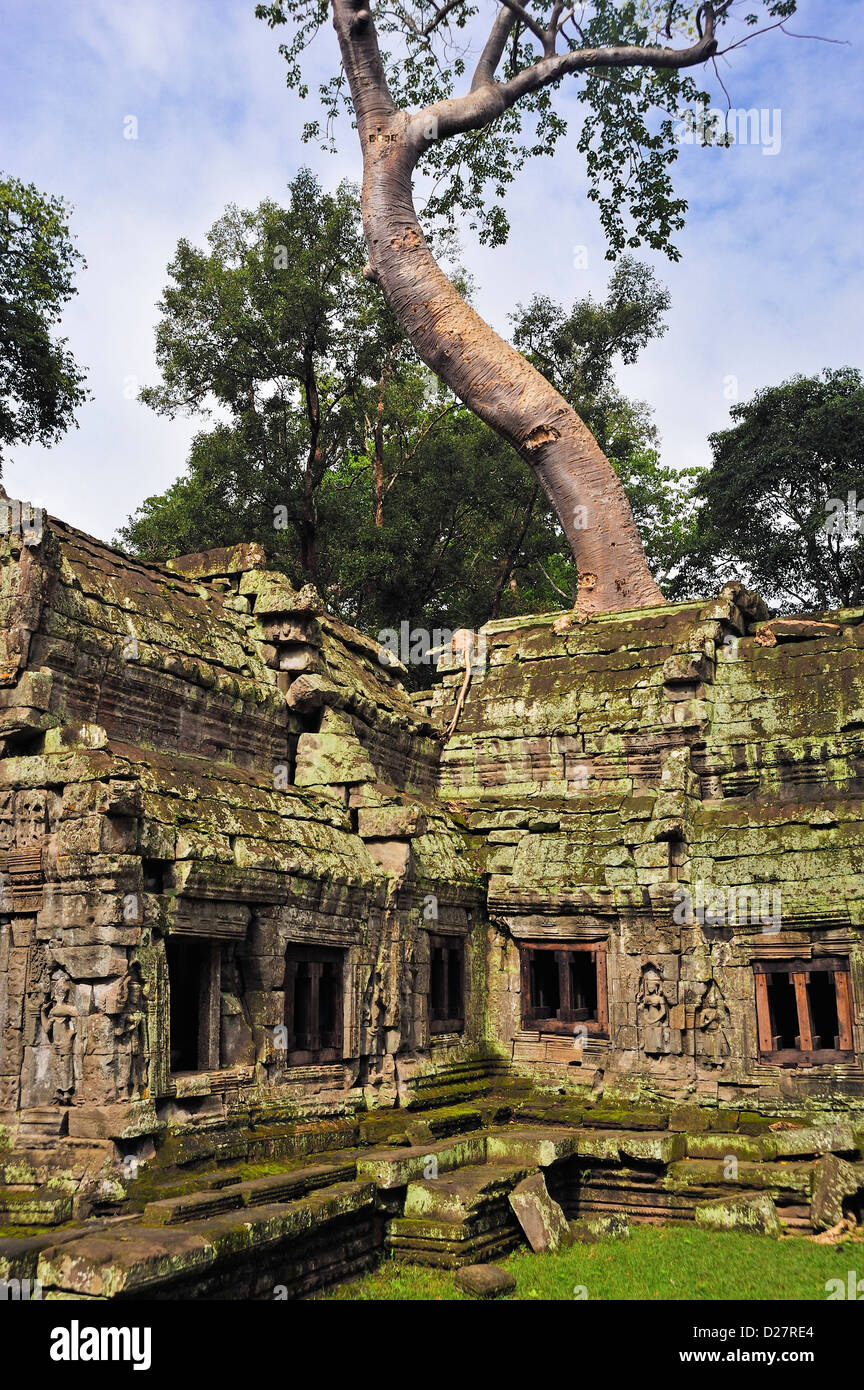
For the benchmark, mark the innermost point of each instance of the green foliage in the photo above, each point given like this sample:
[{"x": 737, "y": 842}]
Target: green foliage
[
  {"x": 632, "y": 112},
  {"x": 275, "y": 326},
  {"x": 40, "y": 384},
  {"x": 346, "y": 459},
  {"x": 778, "y": 508}
]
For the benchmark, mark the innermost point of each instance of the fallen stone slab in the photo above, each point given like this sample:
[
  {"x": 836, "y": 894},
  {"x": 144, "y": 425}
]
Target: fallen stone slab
[
  {"x": 539, "y": 1215},
  {"x": 756, "y": 1214},
  {"x": 484, "y": 1281},
  {"x": 833, "y": 1179},
  {"x": 808, "y": 1140}
]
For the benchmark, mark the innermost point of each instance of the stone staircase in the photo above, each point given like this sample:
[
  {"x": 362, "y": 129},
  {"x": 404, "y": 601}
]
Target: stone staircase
[
  {"x": 442, "y": 1200},
  {"x": 465, "y": 1217}
]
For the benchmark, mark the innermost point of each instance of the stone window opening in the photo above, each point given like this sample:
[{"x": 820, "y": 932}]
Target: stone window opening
[
  {"x": 446, "y": 984},
  {"x": 564, "y": 986},
  {"x": 804, "y": 1011},
  {"x": 314, "y": 1004},
  {"x": 155, "y": 873},
  {"x": 194, "y": 988}
]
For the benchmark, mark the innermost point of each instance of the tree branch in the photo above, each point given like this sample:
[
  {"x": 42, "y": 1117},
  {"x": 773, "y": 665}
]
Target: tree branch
[
  {"x": 440, "y": 15},
  {"x": 493, "y": 48},
  {"x": 568, "y": 598},
  {"x": 361, "y": 59},
  {"x": 536, "y": 28},
  {"x": 478, "y": 108}
]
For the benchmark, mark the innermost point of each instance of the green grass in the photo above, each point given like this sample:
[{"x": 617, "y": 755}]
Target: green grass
[{"x": 655, "y": 1263}]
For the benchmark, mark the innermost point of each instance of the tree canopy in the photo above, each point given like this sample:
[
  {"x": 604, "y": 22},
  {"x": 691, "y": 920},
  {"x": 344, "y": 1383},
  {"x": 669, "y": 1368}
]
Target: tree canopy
[
  {"x": 482, "y": 80},
  {"x": 41, "y": 385},
  {"x": 780, "y": 505},
  {"x": 463, "y": 93}
]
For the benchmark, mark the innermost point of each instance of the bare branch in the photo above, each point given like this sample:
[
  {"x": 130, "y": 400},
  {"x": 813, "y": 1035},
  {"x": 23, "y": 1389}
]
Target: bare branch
[
  {"x": 722, "y": 83},
  {"x": 438, "y": 18},
  {"x": 568, "y": 598},
  {"x": 817, "y": 38},
  {"x": 781, "y": 25},
  {"x": 528, "y": 20},
  {"x": 494, "y": 47}
]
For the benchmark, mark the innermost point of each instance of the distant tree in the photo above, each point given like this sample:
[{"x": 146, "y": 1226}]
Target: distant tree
[
  {"x": 782, "y": 506},
  {"x": 273, "y": 326},
  {"x": 41, "y": 385},
  {"x": 576, "y": 350}
]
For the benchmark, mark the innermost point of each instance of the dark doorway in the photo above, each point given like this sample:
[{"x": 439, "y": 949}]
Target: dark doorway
[
  {"x": 446, "y": 984},
  {"x": 194, "y": 992}
]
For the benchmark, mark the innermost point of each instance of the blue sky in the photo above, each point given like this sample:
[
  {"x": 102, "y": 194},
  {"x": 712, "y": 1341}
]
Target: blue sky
[{"x": 771, "y": 279}]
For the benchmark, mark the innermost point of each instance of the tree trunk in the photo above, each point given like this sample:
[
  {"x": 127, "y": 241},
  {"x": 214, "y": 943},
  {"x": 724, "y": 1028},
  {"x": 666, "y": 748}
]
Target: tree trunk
[{"x": 490, "y": 376}]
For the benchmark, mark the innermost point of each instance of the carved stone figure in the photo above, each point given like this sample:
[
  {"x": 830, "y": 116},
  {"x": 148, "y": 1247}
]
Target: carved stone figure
[
  {"x": 374, "y": 1007},
  {"x": 131, "y": 1028},
  {"x": 408, "y": 989},
  {"x": 60, "y": 1026},
  {"x": 653, "y": 1012},
  {"x": 712, "y": 1015}
]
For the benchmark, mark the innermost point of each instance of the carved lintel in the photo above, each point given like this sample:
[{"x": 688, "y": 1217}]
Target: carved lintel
[{"x": 26, "y": 878}]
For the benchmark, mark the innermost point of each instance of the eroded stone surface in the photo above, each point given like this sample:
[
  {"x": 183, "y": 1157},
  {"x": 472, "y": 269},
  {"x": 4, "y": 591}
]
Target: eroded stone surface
[
  {"x": 756, "y": 1214},
  {"x": 485, "y": 1281},
  {"x": 540, "y": 1217}
]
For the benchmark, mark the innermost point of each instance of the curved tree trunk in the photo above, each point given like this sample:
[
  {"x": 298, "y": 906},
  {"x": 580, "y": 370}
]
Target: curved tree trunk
[{"x": 490, "y": 376}]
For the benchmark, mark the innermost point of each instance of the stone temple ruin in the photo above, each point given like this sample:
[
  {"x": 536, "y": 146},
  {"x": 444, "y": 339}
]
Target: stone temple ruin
[{"x": 297, "y": 965}]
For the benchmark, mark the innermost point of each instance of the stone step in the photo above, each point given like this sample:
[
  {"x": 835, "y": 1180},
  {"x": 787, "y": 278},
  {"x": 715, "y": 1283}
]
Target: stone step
[
  {"x": 42, "y": 1121},
  {"x": 251, "y": 1192},
  {"x": 625, "y": 1119},
  {"x": 812, "y": 1140},
  {"x": 625, "y": 1146},
  {"x": 451, "y": 1093},
  {"x": 452, "y": 1246},
  {"x": 140, "y": 1261},
  {"x": 463, "y": 1194},
  {"x": 461, "y": 1218},
  {"x": 537, "y": 1148},
  {"x": 392, "y": 1168},
  {"x": 717, "y": 1176}
]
